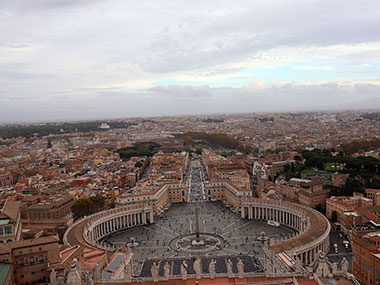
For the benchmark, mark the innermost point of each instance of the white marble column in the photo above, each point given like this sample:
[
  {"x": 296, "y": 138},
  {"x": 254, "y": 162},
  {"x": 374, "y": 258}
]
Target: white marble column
[
  {"x": 151, "y": 217},
  {"x": 144, "y": 218}
]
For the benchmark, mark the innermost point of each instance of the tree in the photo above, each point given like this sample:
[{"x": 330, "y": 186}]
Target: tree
[
  {"x": 87, "y": 206},
  {"x": 198, "y": 151},
  {"x": 334, "y": 216},
  {"x": 297, "y": 158},
  {"x": 138, "y": 164},
  {"x": 188, "y": 140},
  {"x": 319, "y": 208},
  {"x": 138, "y": 149},
  {"x": 352, "y": 186},
  {"x": 220, "y": 139}
]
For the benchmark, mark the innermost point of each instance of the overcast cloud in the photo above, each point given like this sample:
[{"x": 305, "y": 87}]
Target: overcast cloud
[{"x": 85, "y": 59}]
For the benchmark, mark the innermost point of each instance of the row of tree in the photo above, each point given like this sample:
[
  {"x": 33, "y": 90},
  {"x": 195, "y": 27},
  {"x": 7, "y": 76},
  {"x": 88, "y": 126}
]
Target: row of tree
[
  {"x": 219, "y": 140},
  {"x": 317, "y": 158},
  {"x": 357, "y": 146},
  {"x": 138, "y": 149},
  {"x": 87, "y": 206},
  {"x": 27, "y": 131}
]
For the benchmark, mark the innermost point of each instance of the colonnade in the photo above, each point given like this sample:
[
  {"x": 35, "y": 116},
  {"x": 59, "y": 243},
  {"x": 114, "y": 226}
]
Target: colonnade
[
  {"x": 285, "y": 216},
  {"x": 112, "y": 223},
  {"x": 311, "y": 254},
  {"x": 104, "y": 223},
  {"x": 298, "y": 217}
]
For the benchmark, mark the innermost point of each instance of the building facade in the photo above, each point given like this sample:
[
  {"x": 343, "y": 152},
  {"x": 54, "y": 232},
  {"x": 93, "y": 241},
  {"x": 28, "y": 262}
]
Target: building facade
[
  {"x": 10, "y": 227},
  {"x": 30, "y": 258}
]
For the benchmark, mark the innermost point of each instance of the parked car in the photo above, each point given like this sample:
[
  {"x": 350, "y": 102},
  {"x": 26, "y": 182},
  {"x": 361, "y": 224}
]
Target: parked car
[{"x": 336, "y": 250}]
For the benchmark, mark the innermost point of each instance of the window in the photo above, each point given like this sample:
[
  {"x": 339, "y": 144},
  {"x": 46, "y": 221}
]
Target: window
[
  {"x": 41, "y": 258},
  {"x": 21, "y": 260},
  {"x": 20, "y": 252},
  {"x": 32, "y": 259},
  {"x": 8, "y": 230},
  {"x": 30, "y": 250},
  {"x": 40, "y": 248},
  {"x": 22, "y": 276}
]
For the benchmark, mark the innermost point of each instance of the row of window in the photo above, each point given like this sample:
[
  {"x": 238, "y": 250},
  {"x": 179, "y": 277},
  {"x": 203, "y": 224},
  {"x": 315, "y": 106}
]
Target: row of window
[
  {"x": 31, "y": 260},
  {"x": 33, "y": 272},
  {"x": 30, "y": 250}
]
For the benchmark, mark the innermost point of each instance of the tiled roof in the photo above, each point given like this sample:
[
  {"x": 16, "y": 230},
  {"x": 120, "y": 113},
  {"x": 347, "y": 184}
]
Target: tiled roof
[{"x": 10, "y": 210}]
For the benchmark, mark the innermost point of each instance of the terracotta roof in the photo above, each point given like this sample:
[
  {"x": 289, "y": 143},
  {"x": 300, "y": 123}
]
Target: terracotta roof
[
  {"x": 368, "y": 215},
  {"x": 233, "y": 281},
  {"x": 10, "y": 210},
  {"x": 366, "y": 243},
  {"x": 8, "y": 247}
]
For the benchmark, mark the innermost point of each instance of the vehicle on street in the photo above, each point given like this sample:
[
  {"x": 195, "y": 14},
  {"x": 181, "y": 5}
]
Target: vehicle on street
[
  {"x": 336, "y": 250},
  {"x": 346, "y": 245},
  {"x": 273, "y": 223}
]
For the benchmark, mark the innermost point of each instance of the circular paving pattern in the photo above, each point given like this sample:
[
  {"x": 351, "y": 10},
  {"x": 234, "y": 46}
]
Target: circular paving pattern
[
  {"x": 211, "y": 242},
  {"x": 172, "y": 232}
]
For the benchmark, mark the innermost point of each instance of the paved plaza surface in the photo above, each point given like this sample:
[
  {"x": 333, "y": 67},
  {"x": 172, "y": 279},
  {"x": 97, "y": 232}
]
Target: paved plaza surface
[
  {"x": 240, "y": 235},
  {"x": 226, "y": 236}
]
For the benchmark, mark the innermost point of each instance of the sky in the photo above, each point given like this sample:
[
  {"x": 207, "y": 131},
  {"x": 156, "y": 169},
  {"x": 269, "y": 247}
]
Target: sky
[{"x": 96, "y": 59}]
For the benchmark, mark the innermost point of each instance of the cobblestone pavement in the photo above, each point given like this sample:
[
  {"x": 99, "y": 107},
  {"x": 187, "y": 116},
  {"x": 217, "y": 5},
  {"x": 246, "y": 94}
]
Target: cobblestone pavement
[
  {"x": 214, "y": 218},
  {"x": 179, "y": 220}
]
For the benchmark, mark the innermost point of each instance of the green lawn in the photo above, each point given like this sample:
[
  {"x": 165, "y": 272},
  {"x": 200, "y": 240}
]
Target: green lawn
[{"x": 331, "y": 166}]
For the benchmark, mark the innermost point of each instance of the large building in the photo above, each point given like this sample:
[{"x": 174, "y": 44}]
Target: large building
[
  {"x": 10, "y": 227},
  {"x": 346, "y": 207},
  {"x": 312, "y": 193},
  {"x": 374, "y": 195},
  {"x": 30, "y": 258},
  {"x": 366, "y": 258},
  {"x": 159, "y": 196},
  {"x": 53, "y": 207},
  {"x": 227, "y": 192},
  {"x": 6, "y": 178},
  {"x": 323, "y": 177}
]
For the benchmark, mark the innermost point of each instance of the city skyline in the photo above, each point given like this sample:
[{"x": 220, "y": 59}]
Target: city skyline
[{"x": 74, "y": 60}]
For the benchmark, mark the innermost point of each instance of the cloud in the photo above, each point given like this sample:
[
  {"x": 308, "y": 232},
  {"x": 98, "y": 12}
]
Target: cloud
[
  {"x": 184, "y": 100},
  {"x": 148, "y": 53},
  {"x": 312, "y": 68},
  {"x": 178, "y": 91},
  {"x": 18, "y": 46},
  {"x": 12, "y": 75},
  {"x": 35, "y": 5}
]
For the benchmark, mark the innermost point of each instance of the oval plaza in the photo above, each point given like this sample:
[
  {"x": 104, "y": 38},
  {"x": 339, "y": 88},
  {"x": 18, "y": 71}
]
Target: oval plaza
[{"x": 204, "y": 225}]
